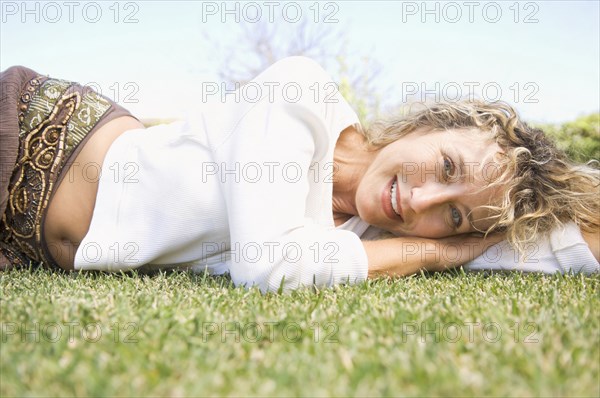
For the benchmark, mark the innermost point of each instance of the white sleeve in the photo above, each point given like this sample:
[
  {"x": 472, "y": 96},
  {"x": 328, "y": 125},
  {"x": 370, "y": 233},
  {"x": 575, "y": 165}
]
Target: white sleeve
[
  {"x": 271, "y": 239},
  {"x": 572, "y": 252},
  {"x": 273, "y": 243},
  {"x": 563, "y": 251}
]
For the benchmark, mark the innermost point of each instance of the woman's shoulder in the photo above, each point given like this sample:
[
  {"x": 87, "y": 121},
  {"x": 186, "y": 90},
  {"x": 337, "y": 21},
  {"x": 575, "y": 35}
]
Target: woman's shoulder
[
  {"x": 293, "y": 89},
  {"x": 296, "y": 68},
  {"x": 296, "y": 80}
]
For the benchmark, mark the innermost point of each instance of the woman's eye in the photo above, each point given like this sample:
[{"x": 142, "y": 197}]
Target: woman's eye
[
  {"x": 448, "y": 167},
  {"x": 456, "y": 217}
]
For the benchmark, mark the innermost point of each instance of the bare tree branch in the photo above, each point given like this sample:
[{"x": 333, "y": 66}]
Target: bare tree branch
[{"x": 259, "y": 45}]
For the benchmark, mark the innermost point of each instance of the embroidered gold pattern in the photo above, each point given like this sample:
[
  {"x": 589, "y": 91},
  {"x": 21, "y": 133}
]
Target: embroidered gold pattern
[{"x": 55, "y": 115}]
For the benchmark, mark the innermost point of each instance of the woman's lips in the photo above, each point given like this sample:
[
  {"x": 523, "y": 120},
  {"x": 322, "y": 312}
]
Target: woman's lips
[{"x": 387, "y": 203}]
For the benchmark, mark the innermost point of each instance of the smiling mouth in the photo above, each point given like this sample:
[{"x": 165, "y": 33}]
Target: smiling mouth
[{"x": 394, "y": 198}]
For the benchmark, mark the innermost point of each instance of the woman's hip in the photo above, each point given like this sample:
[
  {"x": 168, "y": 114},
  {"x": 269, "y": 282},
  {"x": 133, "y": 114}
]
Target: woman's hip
[{"x": 45, "y": 123}]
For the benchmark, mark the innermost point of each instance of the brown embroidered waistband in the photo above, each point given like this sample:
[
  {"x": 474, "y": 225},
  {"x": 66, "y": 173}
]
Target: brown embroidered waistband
[{"x": 54, "y": 117}]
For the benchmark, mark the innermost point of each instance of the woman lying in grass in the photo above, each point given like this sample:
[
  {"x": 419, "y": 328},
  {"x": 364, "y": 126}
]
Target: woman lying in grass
[{"x": 279, "y": 185}]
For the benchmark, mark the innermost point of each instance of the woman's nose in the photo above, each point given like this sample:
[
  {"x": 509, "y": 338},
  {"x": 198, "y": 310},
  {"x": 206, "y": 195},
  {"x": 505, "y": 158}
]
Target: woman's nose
[{"x": 429, "y": 195}]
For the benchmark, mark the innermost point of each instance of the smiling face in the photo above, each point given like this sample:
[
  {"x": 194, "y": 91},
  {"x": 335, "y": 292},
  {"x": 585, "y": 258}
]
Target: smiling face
[{"x": 438, "y": 181}]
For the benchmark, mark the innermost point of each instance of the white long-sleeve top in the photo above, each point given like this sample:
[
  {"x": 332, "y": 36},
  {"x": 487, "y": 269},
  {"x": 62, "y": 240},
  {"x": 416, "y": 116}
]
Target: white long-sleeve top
[{"x": 243, "y": 185}]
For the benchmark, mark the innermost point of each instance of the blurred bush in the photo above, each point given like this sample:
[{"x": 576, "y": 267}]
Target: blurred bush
[{"x": 580, "y": 138}]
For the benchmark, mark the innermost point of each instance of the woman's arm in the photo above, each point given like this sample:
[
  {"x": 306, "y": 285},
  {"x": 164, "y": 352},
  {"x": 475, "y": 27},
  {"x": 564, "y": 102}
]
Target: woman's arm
[
  {"x": 279, "y": 217},
  {"x": 408, "y": 255}
]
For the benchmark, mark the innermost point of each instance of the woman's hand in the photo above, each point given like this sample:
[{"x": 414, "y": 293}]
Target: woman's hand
[{"x": 407, "y": 255}]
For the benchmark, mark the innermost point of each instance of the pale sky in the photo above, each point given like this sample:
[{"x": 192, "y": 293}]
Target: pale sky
[{"x": 150, "y": 56}]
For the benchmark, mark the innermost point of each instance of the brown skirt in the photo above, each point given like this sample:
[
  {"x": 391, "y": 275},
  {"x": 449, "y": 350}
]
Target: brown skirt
[{"x": 44, "y": 123}]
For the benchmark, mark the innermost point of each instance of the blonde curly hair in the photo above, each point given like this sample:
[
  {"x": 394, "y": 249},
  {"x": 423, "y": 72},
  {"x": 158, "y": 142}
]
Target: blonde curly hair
[{"x": 543, "y": 189}]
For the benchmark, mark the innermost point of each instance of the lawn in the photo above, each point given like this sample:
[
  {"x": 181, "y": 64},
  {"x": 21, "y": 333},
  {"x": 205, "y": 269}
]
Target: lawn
[{"x": 179, "y": 334}]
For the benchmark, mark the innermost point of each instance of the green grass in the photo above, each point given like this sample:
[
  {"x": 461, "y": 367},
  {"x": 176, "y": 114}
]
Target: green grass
[{"x": 368, "y": 339}]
